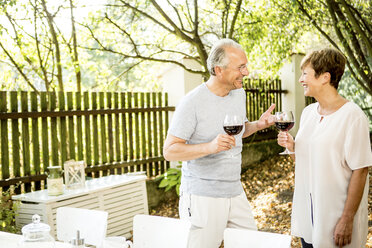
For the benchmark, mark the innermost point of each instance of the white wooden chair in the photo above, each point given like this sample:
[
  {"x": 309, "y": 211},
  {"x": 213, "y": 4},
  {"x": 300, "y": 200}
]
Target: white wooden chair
[
  {"x": 244, "y": 238},
  {"x": 92, "y": 225},
  {"x": 159, "y": 232}
]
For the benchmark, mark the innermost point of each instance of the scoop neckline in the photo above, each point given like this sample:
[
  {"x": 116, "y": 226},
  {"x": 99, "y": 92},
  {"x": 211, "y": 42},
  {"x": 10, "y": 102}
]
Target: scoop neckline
[{"x": 324, "y": 116}]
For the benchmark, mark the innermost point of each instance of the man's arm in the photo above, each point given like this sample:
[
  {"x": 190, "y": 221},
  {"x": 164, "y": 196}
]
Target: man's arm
[
  {"x": 250, "y": 128},
  {"x": 344, "y": 226},
  {"x": 265, "y": 121},
  {"x": 176, "y": 149}
]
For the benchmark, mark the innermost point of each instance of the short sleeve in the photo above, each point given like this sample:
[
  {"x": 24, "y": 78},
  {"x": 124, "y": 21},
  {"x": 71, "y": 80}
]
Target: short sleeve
[
  {"x": 357, "y": 144},
  {"x": 184, "y": 120}
]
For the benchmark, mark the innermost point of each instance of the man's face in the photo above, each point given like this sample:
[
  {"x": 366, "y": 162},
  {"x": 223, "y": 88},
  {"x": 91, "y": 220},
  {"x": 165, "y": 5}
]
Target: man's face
[{"x": 232, "y": 75}]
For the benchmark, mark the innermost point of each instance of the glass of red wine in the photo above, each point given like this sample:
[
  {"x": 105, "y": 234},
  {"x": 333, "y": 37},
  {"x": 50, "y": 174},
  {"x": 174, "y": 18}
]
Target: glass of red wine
[
  {"x": 284, "y": 121},
  {"x": 233, "y": 125}
]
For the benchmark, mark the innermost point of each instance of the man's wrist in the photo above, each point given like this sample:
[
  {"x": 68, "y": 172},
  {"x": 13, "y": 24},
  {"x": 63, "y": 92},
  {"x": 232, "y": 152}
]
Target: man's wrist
[{"x": 257, "y": 126}]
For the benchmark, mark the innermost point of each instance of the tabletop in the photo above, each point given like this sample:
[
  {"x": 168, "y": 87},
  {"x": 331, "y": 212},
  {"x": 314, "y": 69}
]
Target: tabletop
[
  {"x": 11, "y": 240},
  {"x": 96, "y": 184}
]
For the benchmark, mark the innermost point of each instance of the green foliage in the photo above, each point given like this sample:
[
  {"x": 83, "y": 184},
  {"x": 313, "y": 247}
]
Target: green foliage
[
  {"x": 124, "y": 45},
  {"x": 170, "y": 179},
  {"x": 352, "y": 91},
  {"x": 8, "y": 209},
  {"x": 268, "y": 32}
]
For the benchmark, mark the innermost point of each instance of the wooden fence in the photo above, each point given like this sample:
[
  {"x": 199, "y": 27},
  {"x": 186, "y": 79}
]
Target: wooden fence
[
  {"x": 113, "y": 133},
  {"x": 260, "y": 95}
]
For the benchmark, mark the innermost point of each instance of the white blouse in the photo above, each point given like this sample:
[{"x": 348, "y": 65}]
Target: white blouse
[{"x": 327, "y": 149}]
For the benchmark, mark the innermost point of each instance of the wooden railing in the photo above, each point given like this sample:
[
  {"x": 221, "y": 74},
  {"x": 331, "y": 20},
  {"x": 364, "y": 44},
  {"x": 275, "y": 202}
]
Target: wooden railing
[{"x": 113, "y": 133}]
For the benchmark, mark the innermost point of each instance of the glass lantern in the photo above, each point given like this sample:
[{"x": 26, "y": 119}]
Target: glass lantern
[
  {"x": 36, "y": 234},
  {"x": 55, "y": 181}
]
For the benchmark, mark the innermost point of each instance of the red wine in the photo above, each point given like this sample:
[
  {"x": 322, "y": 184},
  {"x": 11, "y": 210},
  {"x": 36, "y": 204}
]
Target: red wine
[
  {"x": 284, "y": 125},
  {"x": 233, "y": 130}
]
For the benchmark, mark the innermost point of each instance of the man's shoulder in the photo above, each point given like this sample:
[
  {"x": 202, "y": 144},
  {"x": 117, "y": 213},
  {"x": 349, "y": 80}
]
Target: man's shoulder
[{"x": 195, "y": 93}]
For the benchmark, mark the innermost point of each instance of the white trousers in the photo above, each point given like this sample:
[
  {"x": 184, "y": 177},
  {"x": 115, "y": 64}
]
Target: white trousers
[{"x": 210, "y": 216}]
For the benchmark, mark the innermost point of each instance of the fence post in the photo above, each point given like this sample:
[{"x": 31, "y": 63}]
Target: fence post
[
  {"x": 294, "y": 99},
  {"x": 177, "y": 83}
]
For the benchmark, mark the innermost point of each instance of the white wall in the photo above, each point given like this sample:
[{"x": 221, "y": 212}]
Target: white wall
[
  {"x": 178, "y": 82},
  {"x": 294, "y": 100}
]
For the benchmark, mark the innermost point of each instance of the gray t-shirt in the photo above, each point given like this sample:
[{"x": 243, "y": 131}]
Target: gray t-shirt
[{"x": 199, "y": 119}]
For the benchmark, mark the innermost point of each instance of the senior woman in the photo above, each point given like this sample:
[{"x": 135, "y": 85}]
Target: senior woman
[{"x": 332, "y": 153}]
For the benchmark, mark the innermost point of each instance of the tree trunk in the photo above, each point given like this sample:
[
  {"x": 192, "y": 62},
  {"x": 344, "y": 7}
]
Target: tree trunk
[
  {"x": 75, "y": 56},
  {"x": 56, "y": 44}
]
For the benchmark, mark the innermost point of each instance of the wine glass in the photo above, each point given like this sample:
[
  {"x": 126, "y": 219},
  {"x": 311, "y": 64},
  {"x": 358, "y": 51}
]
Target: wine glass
[
  {"x": 233, "y": 125},
  {"x": 284, "y": 121}
]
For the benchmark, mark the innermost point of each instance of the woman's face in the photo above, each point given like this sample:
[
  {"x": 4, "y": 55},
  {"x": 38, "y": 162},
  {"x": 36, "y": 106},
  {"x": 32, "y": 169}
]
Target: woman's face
[{"x": 312, "y": 85}]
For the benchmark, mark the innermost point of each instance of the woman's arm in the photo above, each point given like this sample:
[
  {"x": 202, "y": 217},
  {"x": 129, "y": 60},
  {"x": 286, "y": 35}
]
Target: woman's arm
[{"x": 344, "y": 227}]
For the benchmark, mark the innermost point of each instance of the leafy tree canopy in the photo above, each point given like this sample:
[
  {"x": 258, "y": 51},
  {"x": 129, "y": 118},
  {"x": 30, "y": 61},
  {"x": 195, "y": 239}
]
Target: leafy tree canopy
[{"x": 122, "y": 44}]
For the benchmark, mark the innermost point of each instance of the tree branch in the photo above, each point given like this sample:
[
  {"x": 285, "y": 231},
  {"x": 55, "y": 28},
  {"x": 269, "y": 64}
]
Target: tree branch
[
  {"x": 367, "y": 26},
  {"x": 149, "y": 58},
  {"x": 18, "y": 68},
  {"x": 181, "y": 53},
  {"x": 75, "y": 57},
  {"x": 56, "y": 44},
  {"x": 196, "y": 19},
  {"x": 146, "y": 15},
  {"x": 350, "y": 54},
  {"x": 177, "y": 30},
  {"x": 177, "y": 13},
  {"x": 126, "y": 71},
  {"x": 360, "y": 82},
  {"x": 19, "y": 45},
  {"x": 236, "y": 13},
  {"x": 194, "y": 41},
  {"x": 125, "y": 32},
  {"x": 357, "y": 27},
  {"x": 331, "y": 7},
  {"x": 45, "y": 75},
  {"x": 314, "y": 23}
]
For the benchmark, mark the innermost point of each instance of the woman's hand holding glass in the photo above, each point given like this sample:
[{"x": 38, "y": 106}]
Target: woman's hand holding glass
[
  {"x": 286, "y": 140},
  {"x": 284, "y": 121}
]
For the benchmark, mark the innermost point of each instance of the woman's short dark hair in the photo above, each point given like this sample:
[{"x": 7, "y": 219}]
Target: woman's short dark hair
[{"x": 326, "y": 60}]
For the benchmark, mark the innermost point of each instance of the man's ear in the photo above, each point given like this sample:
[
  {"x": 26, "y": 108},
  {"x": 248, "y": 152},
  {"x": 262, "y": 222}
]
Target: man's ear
[{"x": 217, "y": 70}]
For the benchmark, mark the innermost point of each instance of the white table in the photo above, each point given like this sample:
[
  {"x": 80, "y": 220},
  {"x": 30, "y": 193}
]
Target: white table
[
  {"x": 10, "y": 240},
  {"x": 122, "y": 196}
]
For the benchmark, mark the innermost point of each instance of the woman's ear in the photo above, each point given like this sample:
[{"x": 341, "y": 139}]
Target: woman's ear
[{"x": 326, "y": 76}]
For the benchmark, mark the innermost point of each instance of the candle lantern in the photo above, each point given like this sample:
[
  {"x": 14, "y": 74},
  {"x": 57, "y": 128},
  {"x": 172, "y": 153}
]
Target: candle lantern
[{"x": 74, "y": 174}]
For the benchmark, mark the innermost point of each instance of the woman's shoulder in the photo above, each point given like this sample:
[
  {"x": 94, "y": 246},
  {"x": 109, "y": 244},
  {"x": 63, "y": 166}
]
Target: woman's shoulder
[{"x": 353, "y": 110}]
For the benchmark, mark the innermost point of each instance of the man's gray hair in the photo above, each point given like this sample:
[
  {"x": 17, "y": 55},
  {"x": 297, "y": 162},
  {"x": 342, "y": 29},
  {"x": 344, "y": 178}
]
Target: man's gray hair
[{"x": 218, "y": 56}]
